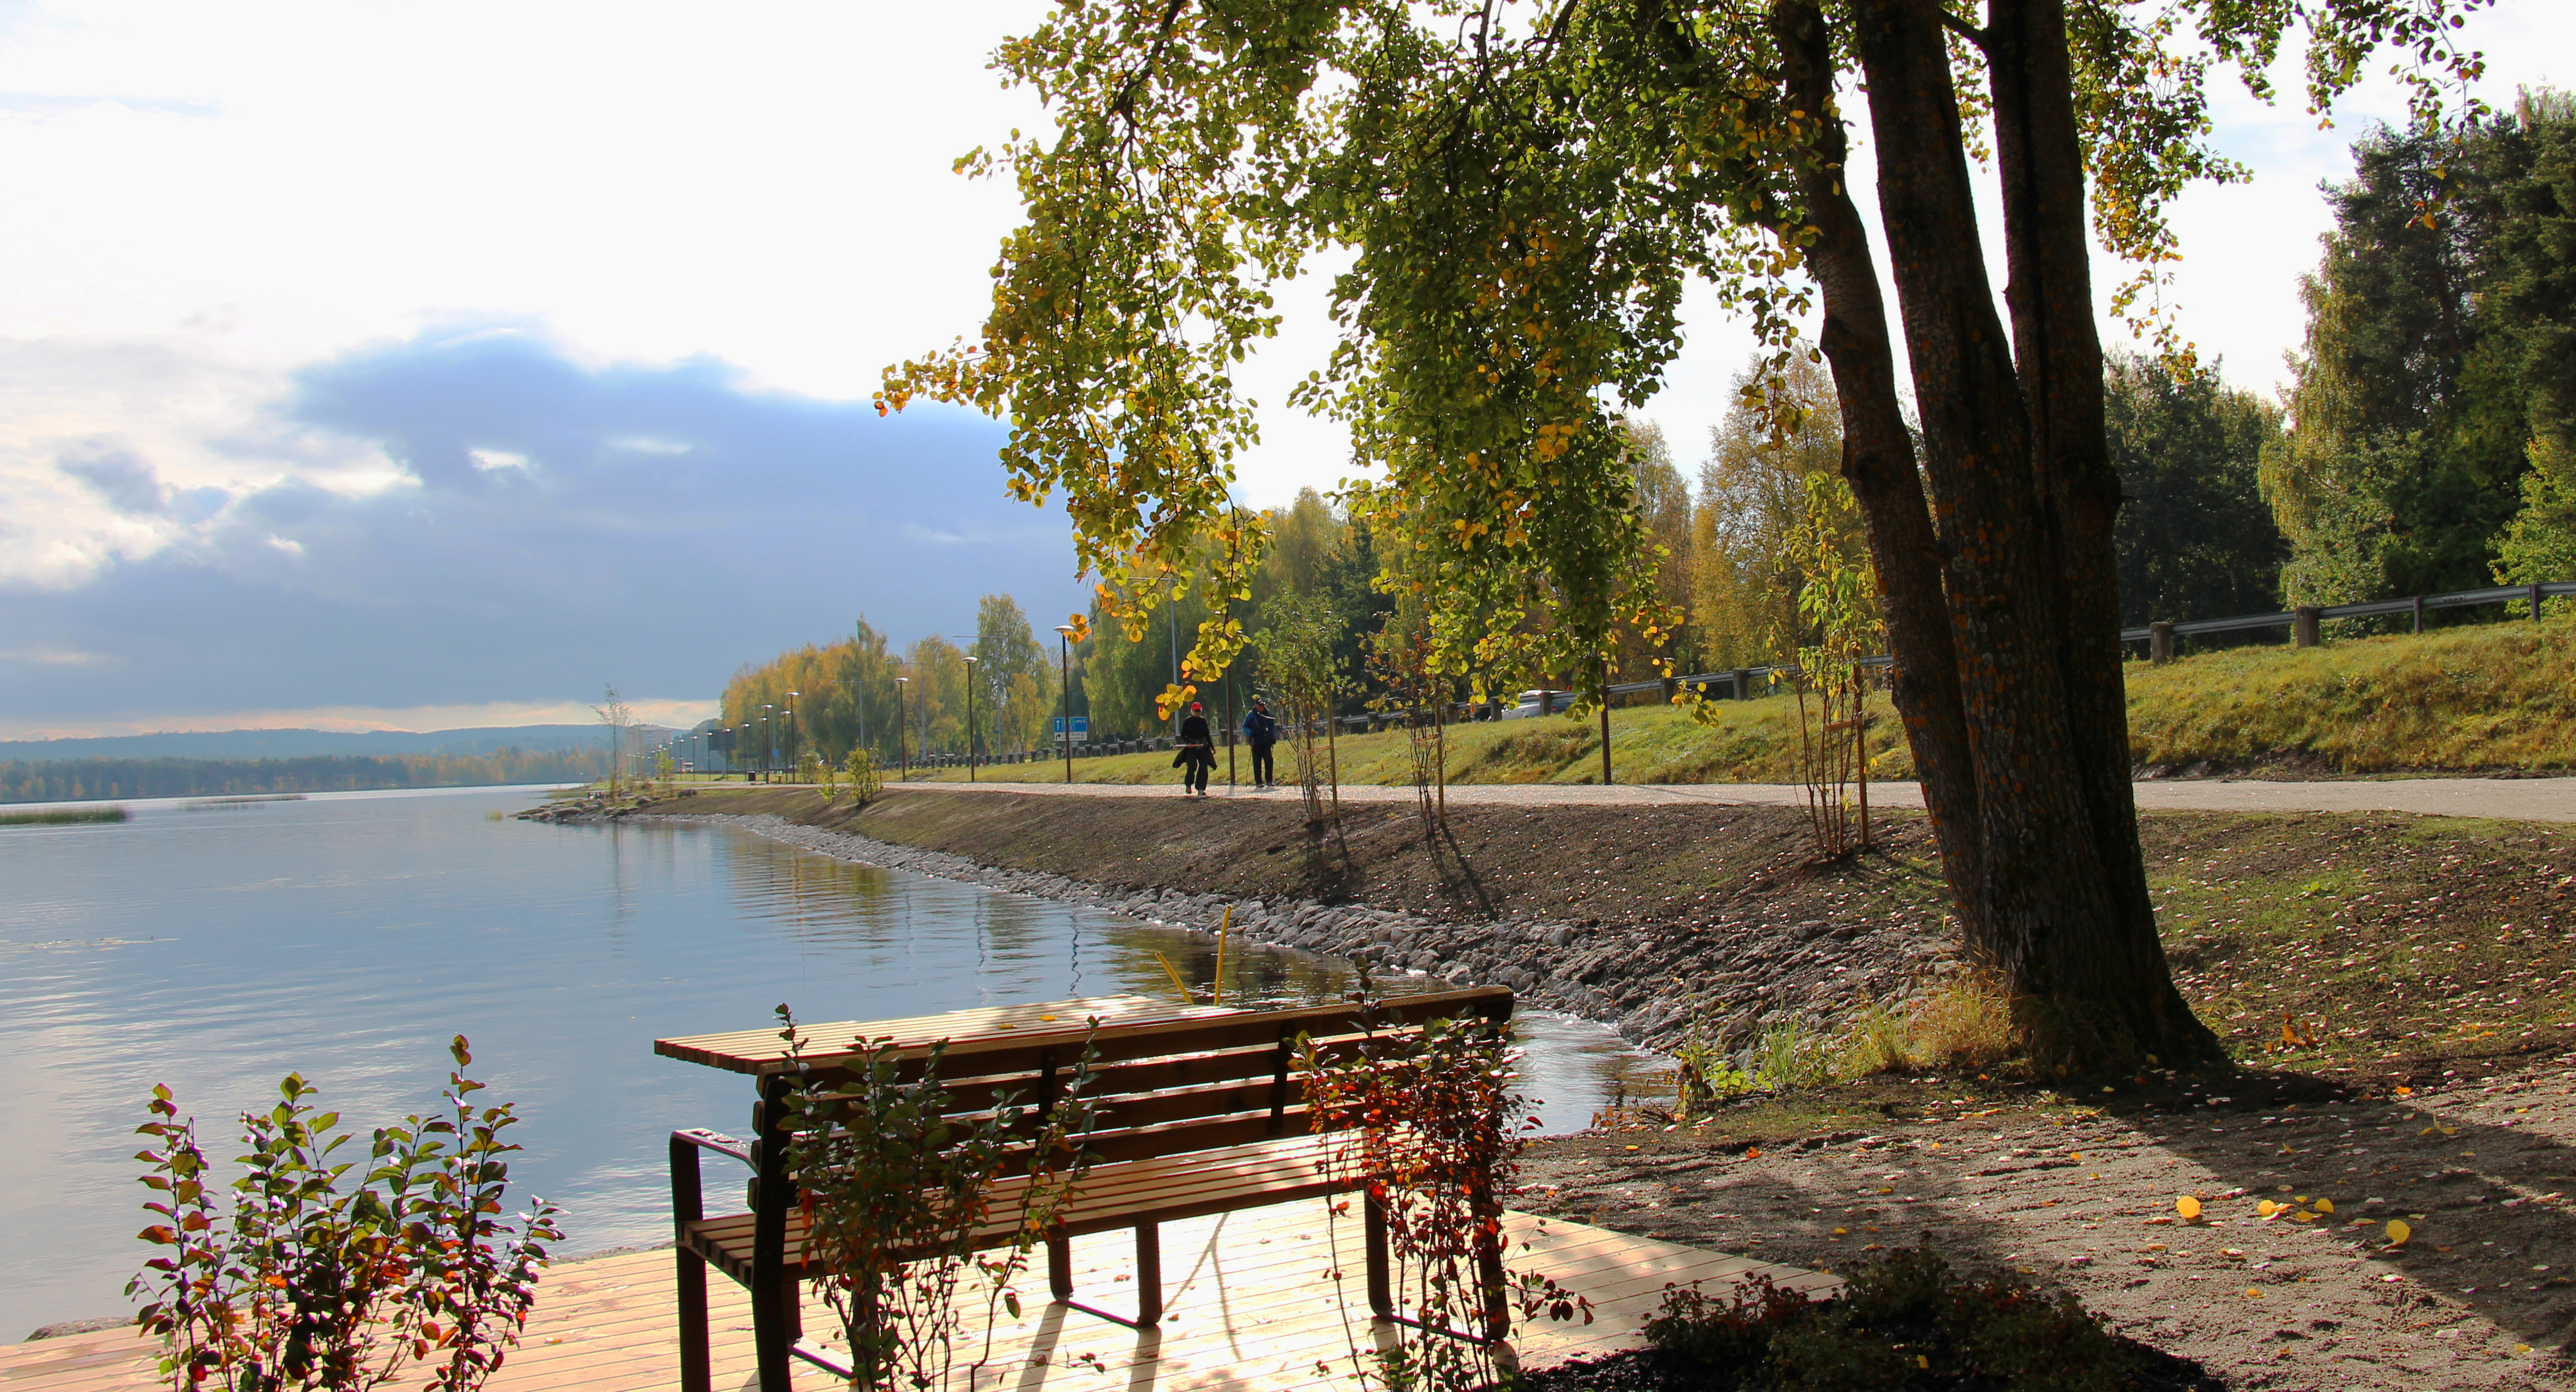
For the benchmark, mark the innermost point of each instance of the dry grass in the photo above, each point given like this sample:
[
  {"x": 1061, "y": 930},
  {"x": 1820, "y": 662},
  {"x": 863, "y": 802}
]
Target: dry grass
[{"x": 1965, "y": 1024}]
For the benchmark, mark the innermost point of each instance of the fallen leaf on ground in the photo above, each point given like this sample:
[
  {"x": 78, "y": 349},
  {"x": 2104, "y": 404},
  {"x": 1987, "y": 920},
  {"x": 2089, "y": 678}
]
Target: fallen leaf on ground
[
  {"x": 2188, "y": 1207},
  {"x": 2398, "y": 1232}
]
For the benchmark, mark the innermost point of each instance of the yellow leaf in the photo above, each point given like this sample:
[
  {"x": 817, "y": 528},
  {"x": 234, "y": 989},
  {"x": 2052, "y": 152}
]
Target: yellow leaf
[
  {"x": 2188, "y": 1207},
  {"x": 2266, "y": 1209},
  {"x": 2398, "y": 1232},
  {"x": 2325, "y": 1205},
  {"x": 2253, "y": 1292}
]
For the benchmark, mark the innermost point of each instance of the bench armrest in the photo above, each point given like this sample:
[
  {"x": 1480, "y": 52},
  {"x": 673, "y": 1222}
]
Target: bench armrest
[
  {"x": 687, "y": 1203},
  {"x": 705, "y": 1139}
]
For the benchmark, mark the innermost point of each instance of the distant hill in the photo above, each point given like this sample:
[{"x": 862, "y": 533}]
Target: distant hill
[{"x": 299, "y": 744}]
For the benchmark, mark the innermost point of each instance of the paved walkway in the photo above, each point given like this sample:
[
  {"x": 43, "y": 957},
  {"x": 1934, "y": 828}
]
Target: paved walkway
[{"x": 2516, "y": 799}]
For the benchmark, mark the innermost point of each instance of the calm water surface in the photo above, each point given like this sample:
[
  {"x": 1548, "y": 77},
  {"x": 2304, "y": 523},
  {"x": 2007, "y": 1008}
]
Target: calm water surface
[{"x": 349, "y": 935}]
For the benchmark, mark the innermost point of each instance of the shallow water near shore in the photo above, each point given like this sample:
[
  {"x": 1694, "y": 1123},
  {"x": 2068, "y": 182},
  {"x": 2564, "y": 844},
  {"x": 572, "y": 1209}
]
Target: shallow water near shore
[{"x": 348, "y": 936}]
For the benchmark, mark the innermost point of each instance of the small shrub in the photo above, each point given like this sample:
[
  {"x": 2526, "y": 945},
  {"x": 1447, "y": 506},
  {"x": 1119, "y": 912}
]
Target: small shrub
[
  {"x": 2030, "y": 1341},
  {"x": 1703, "y": 1075},
  {"x": 866, "y": 778},
  {"x": 1437, "y": 1129},
  {"x": 1726, "y": 1341},
  {"x": 1822, "y": 1356},
  {"x": 305, "y": 1284},
  {"x": 1903, "y": 1321},
  {"x": 896, "y": 1183},
  {"x": 1965, "y": 1024}
]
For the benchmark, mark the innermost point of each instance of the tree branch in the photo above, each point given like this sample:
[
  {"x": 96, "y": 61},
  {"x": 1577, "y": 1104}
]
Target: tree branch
[{"x": 1962, "y": 28}]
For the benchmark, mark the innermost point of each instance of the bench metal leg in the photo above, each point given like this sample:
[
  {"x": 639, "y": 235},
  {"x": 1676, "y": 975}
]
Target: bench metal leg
[
  {"x": 1381, "y": 1293},
  {"x": 697, "y": 1371},
  {"x": 1060, "y": 1267},
  {"x": 1489, "y": 1273},
  {"x": 1149, "y": 1275},
  {"x": 1149, "y": 1278},
  {"x": 774, "y": 1333}
]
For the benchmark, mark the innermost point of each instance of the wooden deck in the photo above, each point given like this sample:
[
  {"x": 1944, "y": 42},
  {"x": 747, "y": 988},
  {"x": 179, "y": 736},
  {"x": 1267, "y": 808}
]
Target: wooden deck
[{"x": 1253, "y": 1307}]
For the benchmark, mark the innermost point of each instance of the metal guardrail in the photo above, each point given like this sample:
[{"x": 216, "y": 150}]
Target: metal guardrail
[{"x": 2417, "y": 605}]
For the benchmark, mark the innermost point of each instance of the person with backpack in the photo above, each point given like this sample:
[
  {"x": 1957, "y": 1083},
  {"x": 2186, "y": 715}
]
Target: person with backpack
[
  {"x": 1261, "y": 732},
  {"x": 1197, "y": 757}
]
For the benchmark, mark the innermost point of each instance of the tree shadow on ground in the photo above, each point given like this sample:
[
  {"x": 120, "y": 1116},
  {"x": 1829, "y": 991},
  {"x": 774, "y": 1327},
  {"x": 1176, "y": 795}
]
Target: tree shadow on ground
[{"x": 2483, "y": 1199}]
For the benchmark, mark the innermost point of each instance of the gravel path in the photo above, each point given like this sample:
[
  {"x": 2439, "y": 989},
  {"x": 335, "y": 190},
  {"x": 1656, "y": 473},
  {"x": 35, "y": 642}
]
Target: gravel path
[
  {"x": 2515, "y": 799},
  {"x": 2479, "y": 1297}
]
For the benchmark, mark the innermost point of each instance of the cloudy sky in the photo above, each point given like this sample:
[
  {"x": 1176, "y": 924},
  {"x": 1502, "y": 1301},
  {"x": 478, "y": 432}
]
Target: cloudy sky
[{"x": 428, "y": 365}]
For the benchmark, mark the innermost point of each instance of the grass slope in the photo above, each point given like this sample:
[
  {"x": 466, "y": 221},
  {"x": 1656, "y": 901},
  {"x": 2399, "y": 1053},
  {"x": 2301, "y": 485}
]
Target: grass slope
[{"x": 2498, "y": 696}]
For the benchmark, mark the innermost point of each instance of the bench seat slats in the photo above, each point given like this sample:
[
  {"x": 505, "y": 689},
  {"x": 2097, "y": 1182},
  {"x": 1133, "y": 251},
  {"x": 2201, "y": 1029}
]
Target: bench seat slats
[{"x": 1108, "y": 1197}]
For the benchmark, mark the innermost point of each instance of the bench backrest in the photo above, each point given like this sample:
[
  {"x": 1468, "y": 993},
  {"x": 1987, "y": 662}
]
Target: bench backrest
[{"x": 1175, "y": 1086}]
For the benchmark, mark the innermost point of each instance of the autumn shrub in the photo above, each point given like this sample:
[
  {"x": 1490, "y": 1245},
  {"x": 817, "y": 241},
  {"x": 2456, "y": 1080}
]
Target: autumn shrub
[{"x": 308, "y": 1279}]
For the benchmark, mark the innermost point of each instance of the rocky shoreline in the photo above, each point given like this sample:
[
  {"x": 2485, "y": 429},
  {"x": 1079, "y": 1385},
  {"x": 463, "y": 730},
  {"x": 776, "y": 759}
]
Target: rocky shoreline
[{"x": 1660, "y": 985}]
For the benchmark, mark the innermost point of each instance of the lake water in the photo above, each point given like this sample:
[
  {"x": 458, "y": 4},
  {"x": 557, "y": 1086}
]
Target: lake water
[{"x": 348, "y": 936}]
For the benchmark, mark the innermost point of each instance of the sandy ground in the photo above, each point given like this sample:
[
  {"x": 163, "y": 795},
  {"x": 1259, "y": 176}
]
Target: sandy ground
[
  {"x": 2480, "y": 1167},
  {"x": 2519, "y": 799}
]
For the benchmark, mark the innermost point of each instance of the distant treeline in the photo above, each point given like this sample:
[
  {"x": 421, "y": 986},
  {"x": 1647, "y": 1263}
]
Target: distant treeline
[{"x": 75, "y": 780}]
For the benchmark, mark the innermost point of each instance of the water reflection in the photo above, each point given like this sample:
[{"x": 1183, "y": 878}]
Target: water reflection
[{"x": 347, "y": 937}]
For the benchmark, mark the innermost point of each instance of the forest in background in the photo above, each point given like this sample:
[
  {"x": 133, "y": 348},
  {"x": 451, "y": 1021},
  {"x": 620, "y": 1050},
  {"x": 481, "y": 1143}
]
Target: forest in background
[
  {"x": 85, "y": 780},
  {"x": 2427, "y": 443}
]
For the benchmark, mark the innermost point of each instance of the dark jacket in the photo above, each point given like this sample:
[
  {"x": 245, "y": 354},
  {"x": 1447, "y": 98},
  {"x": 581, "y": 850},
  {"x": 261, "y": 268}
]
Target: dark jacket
[
  {"x": 1259, "y": 728},
  {"x": 1196, "y": 745}
]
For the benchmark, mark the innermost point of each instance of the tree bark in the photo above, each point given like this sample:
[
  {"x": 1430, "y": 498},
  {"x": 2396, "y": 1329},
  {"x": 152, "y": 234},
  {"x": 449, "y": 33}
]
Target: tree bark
[
  {"x": 2058, "y": 352},
  {"x": 1878, "y": 462},
  {"x": 2054, "y": 913}
]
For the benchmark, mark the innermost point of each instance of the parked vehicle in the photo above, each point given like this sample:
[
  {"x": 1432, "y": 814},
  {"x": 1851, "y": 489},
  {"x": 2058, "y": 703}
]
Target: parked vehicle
[{"x": 1558, "y": 702}]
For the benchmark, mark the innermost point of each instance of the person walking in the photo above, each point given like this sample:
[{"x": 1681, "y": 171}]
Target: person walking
[
  {"x": 1197, "y": 758},
  {"x": 1261, "y": 732}
]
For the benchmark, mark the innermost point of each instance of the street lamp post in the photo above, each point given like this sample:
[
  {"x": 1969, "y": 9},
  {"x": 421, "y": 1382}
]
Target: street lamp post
[
  {"x": 970, "y": 717},
  {"x": 791, "y": 728},
  {"x": 1064, "y": 659},
  {"x": 903, "y": 763}
]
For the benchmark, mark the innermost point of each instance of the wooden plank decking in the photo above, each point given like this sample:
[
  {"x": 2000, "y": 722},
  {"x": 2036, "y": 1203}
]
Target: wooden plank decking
[{"x": 1252, "y": 1307}]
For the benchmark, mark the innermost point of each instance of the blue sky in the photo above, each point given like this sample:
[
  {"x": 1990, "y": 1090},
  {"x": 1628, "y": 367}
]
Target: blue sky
[{"x": 422, "y": 366}]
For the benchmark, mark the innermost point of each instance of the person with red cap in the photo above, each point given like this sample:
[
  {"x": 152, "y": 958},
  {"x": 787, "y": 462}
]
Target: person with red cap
[{"x": 1197, "y": 758}]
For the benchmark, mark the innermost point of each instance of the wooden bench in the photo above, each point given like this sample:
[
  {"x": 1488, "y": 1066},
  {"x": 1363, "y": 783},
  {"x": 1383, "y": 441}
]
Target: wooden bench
[{"x": 1198, "y": 1110}]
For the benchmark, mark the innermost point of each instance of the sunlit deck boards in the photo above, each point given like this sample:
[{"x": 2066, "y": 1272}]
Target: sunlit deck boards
[{"x": 1252, "y": 1307}]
